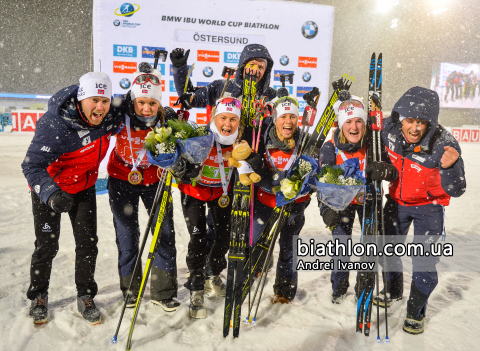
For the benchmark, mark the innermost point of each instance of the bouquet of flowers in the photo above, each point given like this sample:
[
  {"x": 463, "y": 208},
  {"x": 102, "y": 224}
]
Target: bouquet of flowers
[
  {"x": 297, "y": 181},
  {"x": 165, "y": 145},
  {"x": 337, "y": 186}
]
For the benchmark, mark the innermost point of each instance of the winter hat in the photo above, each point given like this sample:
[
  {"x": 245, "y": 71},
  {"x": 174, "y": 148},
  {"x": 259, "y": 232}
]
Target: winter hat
[
  {"x": 94, "y": 84},
  {"x": 147, "y": 82},
  {"x": 350, "y": 111},
  {"x": 418, "y": 102},
  {"x": 285, "y": 104},
  {"x": 228, "y": 104}
]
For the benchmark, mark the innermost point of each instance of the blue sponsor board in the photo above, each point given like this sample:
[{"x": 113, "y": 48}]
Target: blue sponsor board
[
  {"x": 289, "y": 88},
  {"x": 301, "y": 105},
  {"x": 277, "y": 74},
  {"x": 202, "y": 84},
  {"x": 172, "y": 87},
  {"x": 303, "y": 90},
  {"x": 124, "y": 50},
  {"x": 149, "y": 51},
  {"x": 115, "y": 95},
  {"x": 231, "y": 57},
  {"x": 160, "y": 67},
  {"x": 171, "y": 70}
]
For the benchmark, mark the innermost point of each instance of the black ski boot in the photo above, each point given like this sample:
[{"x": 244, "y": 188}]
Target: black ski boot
[
  {"x": 416, "y": 307},
  {"x": 39, "y": 308},
  {"x": 394, "y": 292},
  {"x": 163, "y": 289},
  {"x": 341, "y": 290},
  {"x": 88, "y": 310}
]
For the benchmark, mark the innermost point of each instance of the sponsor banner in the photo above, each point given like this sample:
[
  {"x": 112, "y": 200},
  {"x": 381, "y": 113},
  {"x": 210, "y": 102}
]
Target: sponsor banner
[
  {"x": 208, "y": 56},
  {"x": 124, "y": 67},
  {"x": 130, "y": 32},
  {"x": 466, "y": 135},
  {"x": 307, "y": 62},
  {"x": 124, "y": 50},
  {"x": 172, "y": 87},
  {"x": 231, "y": 57},
  {"x": 25, "y": 120},
  {"x": 288, "y": 87},
  {"x": 149, "y": 51},
  {"x": 302, "y": 104},
  {"x": 172, "y": 100},
  {"x": 303, "y": 90},
  {"x": 278, "y": 73},
  {"x": 202, "y": 84},
  {"x": 193, "y": 36},
  {"x": 202, "y": 118}
]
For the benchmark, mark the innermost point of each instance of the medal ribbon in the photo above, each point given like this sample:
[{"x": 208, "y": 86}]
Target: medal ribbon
[
  {"x": 223, "y": 179},
  {"x": 141, "y": 153}
]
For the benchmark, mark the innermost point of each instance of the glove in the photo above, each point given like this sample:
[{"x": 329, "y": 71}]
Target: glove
[
  {"x": 331, "y": 217},
  {"x": 185, "y": 99},
  {"x": 282, "y": 92},
  {"x": 191, "y": 171},
  {"x": 256, "y": 162},
  {"x": 179, "y": 57},
  {"x": 60, "y": 201},
  {"x": 381, "y": 171}
]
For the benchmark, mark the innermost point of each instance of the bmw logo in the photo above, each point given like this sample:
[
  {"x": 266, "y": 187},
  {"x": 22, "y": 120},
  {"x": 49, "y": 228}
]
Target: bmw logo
[
  {"x": 116, "y": 23},
  {"x": 309, "y": 29},
  {"x": 208, "y": 72},
  {"x": 306, "y": 77},
  {"x": 125, "y": 83},
  {"x": 284, "y": 60}
]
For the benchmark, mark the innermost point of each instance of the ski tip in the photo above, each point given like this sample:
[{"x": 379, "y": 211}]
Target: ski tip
[{"x": 114, "y": 340}]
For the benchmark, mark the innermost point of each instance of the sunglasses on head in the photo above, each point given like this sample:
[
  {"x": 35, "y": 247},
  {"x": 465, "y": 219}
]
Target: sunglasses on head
[
  {"x": 348, "y": 103},
  {"x": 229, "y": 101},
  {"x": 143, "y": 78},
  {"x": 286, "y": 98}
]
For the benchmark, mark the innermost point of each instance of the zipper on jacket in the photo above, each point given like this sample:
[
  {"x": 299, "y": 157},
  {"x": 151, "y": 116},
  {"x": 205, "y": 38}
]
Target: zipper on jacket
[
  {"x": 60, "y": 171},
  {"x": 401, "y": 179}
]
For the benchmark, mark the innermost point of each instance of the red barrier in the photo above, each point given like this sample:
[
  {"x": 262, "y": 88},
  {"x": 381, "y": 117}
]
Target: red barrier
[{"x": 25, "y": 120}]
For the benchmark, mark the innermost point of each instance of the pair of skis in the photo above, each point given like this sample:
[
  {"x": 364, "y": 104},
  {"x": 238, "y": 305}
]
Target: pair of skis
[
  {"x": 372, "y": 226},
  {"x": 240, "y": 215}
]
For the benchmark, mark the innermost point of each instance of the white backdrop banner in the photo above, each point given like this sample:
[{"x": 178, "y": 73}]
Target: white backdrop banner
[{"x": 297, "y": 35}]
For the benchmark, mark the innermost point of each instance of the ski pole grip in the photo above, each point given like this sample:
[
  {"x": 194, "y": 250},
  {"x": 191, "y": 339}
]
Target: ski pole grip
[
  {"x": 156, "y": 55},
  {"x": 377, "y": 120}
]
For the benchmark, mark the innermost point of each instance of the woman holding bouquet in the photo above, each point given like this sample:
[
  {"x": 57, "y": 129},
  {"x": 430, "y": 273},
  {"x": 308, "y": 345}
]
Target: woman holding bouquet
[
  {"x": 279, "y": 150},
  {"x": 212, "y": 190},
  {"x": 131, "y": 178},
  {"x": 348, "y": 142}
]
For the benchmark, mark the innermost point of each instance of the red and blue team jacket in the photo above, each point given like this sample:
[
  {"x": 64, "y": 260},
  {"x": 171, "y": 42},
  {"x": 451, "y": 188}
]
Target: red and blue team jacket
[
  {"x": 422, "y": 180},
  {"x": 65, "y": 152}
]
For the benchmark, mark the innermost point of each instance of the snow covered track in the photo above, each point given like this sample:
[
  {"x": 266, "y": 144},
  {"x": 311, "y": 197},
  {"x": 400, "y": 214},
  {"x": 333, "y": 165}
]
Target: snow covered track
[{"x": 311, "y": 322}]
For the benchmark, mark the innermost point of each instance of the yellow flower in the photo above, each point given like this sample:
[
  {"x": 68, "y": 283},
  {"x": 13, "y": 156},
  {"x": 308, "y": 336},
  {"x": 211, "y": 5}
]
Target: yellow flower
[{"x": 287, "y": 187}]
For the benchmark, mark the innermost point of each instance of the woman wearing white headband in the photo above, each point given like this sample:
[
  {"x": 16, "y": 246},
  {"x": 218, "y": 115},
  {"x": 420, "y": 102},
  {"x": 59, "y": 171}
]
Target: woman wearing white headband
[
  {"x": 280, "y": 147},
  {"x": 348, "y": 142},
  {"x": 212, "y": 190}
]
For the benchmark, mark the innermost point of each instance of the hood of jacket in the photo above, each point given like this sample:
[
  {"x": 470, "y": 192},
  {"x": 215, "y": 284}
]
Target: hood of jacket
[
  {"x": 255, "y": 51},
  {"x": 419, "y": 103}
]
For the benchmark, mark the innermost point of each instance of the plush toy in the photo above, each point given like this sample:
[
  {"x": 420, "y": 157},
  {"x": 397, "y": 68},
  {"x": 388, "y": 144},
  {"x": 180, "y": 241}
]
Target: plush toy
[{"x": 237, "y": 159}]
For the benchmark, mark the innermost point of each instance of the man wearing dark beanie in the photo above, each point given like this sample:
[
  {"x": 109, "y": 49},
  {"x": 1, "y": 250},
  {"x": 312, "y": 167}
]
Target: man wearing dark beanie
[{"x": 61, "y": 167}]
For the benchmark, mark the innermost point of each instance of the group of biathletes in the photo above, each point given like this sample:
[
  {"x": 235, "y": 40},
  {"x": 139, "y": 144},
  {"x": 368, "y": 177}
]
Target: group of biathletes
[{"x": 422, "y": 163}]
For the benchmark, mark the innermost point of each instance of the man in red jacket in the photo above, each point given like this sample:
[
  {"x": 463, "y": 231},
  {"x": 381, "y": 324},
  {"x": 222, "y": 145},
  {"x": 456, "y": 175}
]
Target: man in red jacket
[
  {"x": 61, "y": 167},
  {"x": 431, "y": 171}
]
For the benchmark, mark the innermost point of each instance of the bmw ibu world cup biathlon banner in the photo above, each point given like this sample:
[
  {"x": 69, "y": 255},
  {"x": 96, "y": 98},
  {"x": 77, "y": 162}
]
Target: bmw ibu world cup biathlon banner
[{"x": 297, "y": 35}]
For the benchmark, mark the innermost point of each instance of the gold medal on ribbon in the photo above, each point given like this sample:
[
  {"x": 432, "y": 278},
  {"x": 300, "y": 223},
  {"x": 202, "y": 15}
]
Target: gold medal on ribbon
[
  {"x": 223, "y": 201},
  {"x": 360, "y": 198},
  {"x": 134, "y": 177}
]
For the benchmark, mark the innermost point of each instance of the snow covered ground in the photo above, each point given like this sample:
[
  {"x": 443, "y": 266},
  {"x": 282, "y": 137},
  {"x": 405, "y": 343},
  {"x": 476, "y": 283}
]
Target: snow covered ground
[{"x": 310, "y": 322}]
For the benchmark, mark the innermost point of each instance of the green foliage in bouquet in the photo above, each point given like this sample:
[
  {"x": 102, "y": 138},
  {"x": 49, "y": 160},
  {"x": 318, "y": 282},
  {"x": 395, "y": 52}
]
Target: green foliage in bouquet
[{"x": 334, "y": 175}]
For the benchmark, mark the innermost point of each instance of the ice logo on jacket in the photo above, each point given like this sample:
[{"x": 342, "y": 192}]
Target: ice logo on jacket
[
  {"x": 208, "y": 72},
  {"x": 309, "y": 29},
  {"x": 284, "y": 60},
  {"x": 306, "y": 77}
]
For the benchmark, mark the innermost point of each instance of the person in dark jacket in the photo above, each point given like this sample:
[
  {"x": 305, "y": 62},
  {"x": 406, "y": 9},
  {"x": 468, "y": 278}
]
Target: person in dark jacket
[
  {"x": 348, "y": 142},
  {"x": 131, "y": 177},
  {"x": 208, "y": 95},
  {"x": 431, "y": 171},
  {"x": 61, "y": 167}
]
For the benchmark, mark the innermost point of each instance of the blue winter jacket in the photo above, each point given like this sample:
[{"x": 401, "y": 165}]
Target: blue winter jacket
[
  {"x": 65, "y": 152},
  {"x": 207, "y": 95}
]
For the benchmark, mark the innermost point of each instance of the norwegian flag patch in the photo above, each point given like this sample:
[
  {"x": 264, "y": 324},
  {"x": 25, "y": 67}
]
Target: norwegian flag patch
[
  {"x": 145, "y": 91},
  {"x": 101, "y": 91},
  {"x": 287, "y": 108},
  {"x": 349, "y": 113},
  {"x": 229, "y": 109}
]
